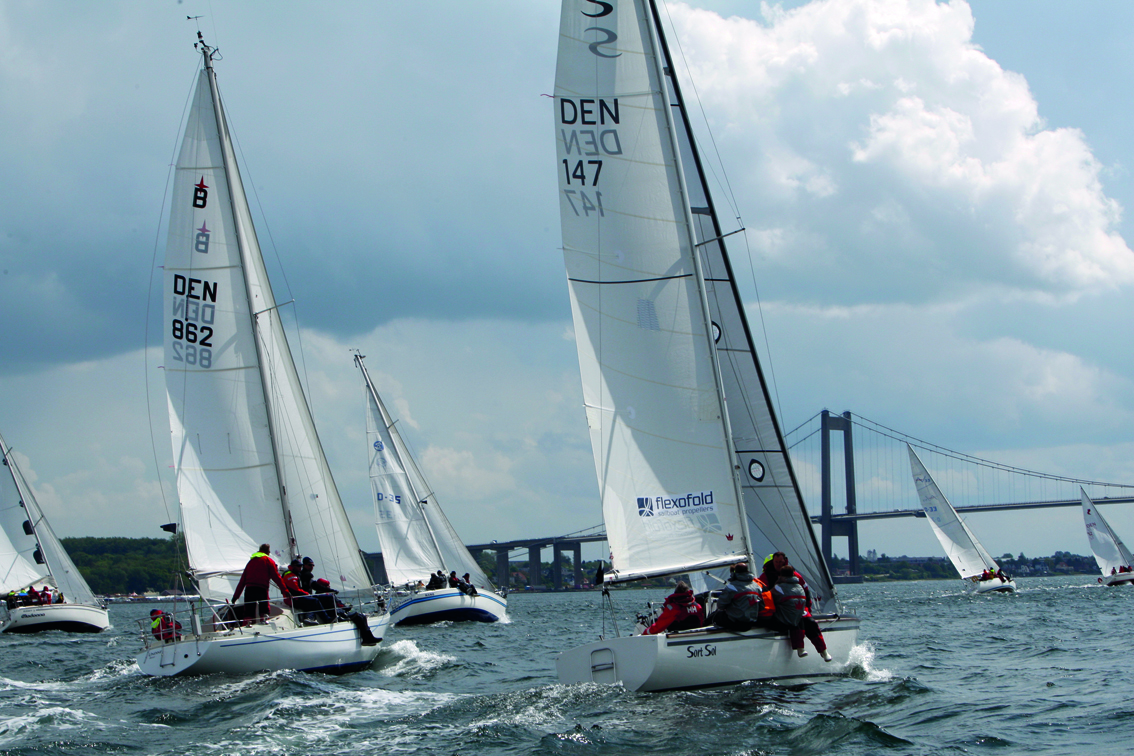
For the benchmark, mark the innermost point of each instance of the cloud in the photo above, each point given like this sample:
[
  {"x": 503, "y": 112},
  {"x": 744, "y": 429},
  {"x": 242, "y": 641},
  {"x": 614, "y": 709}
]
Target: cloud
[{"x": 878, "y": 145}]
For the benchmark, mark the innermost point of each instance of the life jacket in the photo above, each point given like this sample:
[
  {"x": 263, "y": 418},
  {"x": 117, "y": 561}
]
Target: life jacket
[
  {"x": 747, "y": 603},
  {"x": 790, "y": 601},
  {"x": 164, "y": 627},
  {"x": 291, "y": 582}
]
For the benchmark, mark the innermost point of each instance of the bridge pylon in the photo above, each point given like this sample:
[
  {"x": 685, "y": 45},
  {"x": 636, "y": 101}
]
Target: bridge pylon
[{"x": 842, "y": 528}]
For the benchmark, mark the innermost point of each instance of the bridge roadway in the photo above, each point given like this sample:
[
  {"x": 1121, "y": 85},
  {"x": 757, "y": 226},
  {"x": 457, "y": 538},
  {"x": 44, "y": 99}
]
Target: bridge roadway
[{"x": 561, "y": 544}]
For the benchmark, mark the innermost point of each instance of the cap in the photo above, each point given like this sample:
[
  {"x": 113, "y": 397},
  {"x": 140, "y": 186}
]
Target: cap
[
  {"x": 308, "y": 560},
  {"x": 155, "y": 611}
]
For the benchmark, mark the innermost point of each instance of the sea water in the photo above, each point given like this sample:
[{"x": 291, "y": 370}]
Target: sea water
[{"x": 937, "y": 671}]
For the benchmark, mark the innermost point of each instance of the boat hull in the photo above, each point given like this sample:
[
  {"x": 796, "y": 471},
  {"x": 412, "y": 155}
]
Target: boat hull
[
  {"x": 449, "y": 605},
  {"x": 1124, "y": 578},
  {"x": 995, "y": 586},
  {"x": 335, "y": 649},
  {"x": 71, "y": 618},
  {"x": 707, "y": 657}
]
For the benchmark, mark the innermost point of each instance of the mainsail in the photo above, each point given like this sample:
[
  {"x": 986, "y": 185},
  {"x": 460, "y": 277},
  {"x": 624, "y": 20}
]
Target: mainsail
[
  {"x": 416, "y": 536},
  {"x": 250, "y": 468},
  {"x": 1110, "y": 552},
  {"x": 24, "y": 533},
  {"x": 692, "y": 466},
  {"x": 961, "y": 546}
]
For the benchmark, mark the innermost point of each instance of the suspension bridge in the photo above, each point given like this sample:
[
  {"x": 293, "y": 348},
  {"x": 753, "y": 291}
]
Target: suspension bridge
[{"x": 866, "y": 477}]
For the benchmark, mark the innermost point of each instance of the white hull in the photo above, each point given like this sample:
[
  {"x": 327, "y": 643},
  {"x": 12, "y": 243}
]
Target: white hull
[
  {"x": 73, "y": 618},
  {"x": 277, "y": 645},
  {"x": 449, "y": 604},
  {"x": 996, "y": 586},
  {"x": 1123, "y": 578},
  {"x": 706, "y": 657}
]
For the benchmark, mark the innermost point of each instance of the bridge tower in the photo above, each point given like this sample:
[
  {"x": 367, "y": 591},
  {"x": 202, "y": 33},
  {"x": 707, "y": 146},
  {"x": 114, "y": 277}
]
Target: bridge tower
[{"x": 843, "y": 528}]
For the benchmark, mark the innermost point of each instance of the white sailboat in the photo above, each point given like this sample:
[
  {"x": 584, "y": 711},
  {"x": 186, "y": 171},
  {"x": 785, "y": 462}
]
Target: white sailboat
[
  {"x": 250, "y": 468},
  {"x": 32, "y": 557},
  {"x": 416, "y": 536},
  {"x": 1111, "y": 554},
  {"x": 961, "y": 546},
  {"x": 692, "y": 469}
]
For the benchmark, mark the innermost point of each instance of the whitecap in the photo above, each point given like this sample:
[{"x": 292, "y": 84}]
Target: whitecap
[
  {"x": 862, "y": 657},
  {"x": 409, "y": 660}
]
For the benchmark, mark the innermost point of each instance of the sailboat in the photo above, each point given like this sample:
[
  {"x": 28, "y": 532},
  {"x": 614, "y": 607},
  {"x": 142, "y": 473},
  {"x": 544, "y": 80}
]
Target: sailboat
[
  {"x": 417, "y": 539},
  {"x": 31, "y": 556},
  {"x": 961, "y": 546},
  {"x": 1110, "y": 552},
  {"x": 692, "y": 468},
  {"x": 249, "y": 464}
]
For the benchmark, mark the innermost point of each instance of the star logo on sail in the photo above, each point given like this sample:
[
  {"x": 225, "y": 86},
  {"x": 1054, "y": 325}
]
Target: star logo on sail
[
  {"x": 200, "y": 194},
  {"x": 201, "y": 244}
]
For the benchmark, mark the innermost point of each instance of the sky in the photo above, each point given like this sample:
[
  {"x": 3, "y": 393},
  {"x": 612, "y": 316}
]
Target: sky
[{"x": 935, "y": 195}]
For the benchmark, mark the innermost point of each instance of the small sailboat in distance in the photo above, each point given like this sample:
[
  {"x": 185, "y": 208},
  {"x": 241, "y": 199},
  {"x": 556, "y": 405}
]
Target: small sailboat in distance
[
  {"x": 1111, "y": 554},
  {"x": 30, "y": 556},
  {"x": 961, "y": 546},
  {"x": 250, "y": 468},
  {"x": 416, "y": 536}
]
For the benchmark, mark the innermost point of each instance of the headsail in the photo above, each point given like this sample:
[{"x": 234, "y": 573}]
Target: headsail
[
  {"x": 777, "y": 517},
  {"x": 1109, "y": 550},
  {"x": 416, "y": 536},
  {"x": 18, "y": 547},
  {"x": 651, "y": 383},
  {"x": 961, "y": 546},
  {"x": 250, "y": 468}
]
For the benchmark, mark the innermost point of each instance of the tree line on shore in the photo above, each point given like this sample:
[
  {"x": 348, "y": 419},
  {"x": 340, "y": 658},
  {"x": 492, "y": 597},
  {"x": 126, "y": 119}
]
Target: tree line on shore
[{"x": 138, "y": 565}]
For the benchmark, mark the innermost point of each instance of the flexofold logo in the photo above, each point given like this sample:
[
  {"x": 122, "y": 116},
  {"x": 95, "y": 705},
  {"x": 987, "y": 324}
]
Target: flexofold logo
[{"x": 660, "y": 506}]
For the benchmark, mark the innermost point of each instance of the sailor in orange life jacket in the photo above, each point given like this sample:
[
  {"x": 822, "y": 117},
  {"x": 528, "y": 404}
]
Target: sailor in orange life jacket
[
  {"x": 163, "y": 626},
  {"x": 259, "y": 573},
  {"x": 743, "y": 602},
  {"x": 770, "y": 576},
  {"x": 306, "y": 607},
  {"x": 680, "y": 612}
]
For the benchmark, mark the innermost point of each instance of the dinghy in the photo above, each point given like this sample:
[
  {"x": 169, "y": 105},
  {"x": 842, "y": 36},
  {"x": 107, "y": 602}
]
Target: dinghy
[
  {"x": 416, "y": 536},
  {"x": 975, "y": 565},
  {"x": 31, "y": 557},
  {"x": 1111, "y": 554},
  {"x": 250, "y": 467},
  {"x": 692, "y": 468}
]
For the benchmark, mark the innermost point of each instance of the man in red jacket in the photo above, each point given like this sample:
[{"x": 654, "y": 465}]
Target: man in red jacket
[{"x": 259, "y": 573}]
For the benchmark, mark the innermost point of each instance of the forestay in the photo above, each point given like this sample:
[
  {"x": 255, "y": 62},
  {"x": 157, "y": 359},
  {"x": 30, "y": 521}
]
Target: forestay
[
  {"x": 416, "y": 536},
  {"x": 250, "y": 468},
  {"x": 961, "y": 546},
  {"x": 643, "y": 332},
  {"x": 1109, "y": 550},
  {"x": 18, "y": 567}
]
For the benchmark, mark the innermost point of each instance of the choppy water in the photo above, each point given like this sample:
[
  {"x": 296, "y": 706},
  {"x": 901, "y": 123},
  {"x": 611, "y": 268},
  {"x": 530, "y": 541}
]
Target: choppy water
[{"x": 1047, "y": 671}]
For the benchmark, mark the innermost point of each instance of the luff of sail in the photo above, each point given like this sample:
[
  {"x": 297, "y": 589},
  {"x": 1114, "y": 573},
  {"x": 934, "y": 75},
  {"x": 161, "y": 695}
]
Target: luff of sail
[
  {"x": 250, "y": 468},
  {"x": 961, "y": 546},
  {"x": 651, "y": 385},
  {"x": 417, "y": 538},
  {"x": 773, "y": 504},
  {"x": 1109, "y": 550}
]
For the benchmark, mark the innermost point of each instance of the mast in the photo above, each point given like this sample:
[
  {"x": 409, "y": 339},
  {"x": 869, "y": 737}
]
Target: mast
[
  {"x": 418, "y": 501},
  {"x": 231, "y": 169},
  {"x": 667, "y": 71}
]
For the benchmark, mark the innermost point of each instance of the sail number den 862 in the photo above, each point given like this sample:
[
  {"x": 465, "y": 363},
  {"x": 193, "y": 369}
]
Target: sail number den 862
[{"x": 193, "y": 316}]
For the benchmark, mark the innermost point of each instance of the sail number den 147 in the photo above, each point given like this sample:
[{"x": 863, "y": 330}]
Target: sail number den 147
[
  {"x": 581, "y": 145},
  {"x": 194, "y": 311}
]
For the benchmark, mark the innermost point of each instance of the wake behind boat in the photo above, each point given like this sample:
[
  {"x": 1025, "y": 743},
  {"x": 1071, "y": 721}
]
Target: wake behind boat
[
  {"x": 250, "y": 467},
  {"x": 416, "y": 536},
  {"x": 1111, "y": 554},
  {"x": 689, "y": 482},
  {"x": 31, "y": 555},
  {"x": 968, "y": 556}
]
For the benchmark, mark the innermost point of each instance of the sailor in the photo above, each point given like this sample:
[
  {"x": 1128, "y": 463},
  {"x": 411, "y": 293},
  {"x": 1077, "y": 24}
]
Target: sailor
[
  {"x": 742, "y": 602},
  {"x": 454, "y": 581},
  {"x": 297, "y": 598},
  {"x": 679, "y": 612},
  {"x": 307, "y": 573},
  {"x": 771, "y": 576},
  {"x": 163, "y": 626},
  {"x": 466, "y": 585},
  {"x": 259, "y": 573},
  {"x": 436, "y": 581},
  {"x": 45, "y": 596},
  {"x": 792, "y": 613}
]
